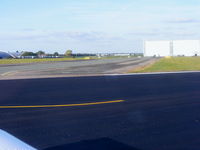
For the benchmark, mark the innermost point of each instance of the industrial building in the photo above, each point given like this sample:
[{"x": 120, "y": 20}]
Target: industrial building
[{"x": 172, "y": 48}]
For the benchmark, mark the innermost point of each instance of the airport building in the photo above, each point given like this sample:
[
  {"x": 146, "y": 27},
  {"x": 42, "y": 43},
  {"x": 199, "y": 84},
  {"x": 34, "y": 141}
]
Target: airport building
[
  {"x": 5, "y": 55},
  {"x": 172, "y": 48}
]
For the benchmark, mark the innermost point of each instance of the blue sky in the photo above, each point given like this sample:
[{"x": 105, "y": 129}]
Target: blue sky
[{"x": 93, "y": 25}]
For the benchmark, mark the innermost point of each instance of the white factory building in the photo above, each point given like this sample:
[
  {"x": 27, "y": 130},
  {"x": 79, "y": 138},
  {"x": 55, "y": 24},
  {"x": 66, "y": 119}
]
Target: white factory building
[{"x": 172, "y": 48}]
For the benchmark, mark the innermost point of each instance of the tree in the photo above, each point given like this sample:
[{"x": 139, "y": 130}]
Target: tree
[
  {"x": 56, "y": 54},
  {"x": 40, "y": 53},
  {"x": 29, "y": 54},
  {"x": 68, "y": 53}
]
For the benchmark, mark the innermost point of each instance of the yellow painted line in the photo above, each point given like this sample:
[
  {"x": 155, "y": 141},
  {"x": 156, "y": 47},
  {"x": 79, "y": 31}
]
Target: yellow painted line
[{"x": 65, "y": 105}]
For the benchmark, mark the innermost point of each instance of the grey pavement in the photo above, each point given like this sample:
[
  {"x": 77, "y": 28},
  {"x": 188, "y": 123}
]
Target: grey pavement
[{"x": 72, "y": 68}]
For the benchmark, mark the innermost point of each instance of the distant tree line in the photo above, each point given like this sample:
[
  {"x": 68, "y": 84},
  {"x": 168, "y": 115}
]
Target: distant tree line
[
  {"x": 42, "y": 54},
  {"x": 68, "y": 53},
  {"x": 29, "y": 54}
]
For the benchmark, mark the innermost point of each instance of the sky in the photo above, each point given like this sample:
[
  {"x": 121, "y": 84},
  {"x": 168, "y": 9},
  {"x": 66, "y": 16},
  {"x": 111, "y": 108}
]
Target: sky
[{"x": 94, "y": 26}]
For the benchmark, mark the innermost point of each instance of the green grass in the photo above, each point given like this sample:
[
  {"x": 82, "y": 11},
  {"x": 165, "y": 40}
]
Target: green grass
[
  {"x": 22, "y": 61},
  {"x": 173, "y": 64}
]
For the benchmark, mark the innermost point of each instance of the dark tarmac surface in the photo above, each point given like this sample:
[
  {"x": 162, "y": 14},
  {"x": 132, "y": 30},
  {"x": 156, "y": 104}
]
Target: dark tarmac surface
[{"x": 160, "y": 112}]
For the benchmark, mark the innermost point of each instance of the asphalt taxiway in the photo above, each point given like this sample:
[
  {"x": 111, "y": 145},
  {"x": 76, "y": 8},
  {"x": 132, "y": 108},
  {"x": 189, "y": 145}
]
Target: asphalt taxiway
[{"x": 130, "y": 112}]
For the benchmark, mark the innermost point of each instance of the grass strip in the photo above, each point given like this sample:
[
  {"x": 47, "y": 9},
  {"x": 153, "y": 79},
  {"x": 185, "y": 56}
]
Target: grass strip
[{"x": 171, "y": 64}]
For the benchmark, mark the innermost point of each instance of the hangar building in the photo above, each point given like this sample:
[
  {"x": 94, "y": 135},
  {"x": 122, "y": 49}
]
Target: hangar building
[
  {"x": 5, "y": 55},
  {"x": 172, "y": 48}
]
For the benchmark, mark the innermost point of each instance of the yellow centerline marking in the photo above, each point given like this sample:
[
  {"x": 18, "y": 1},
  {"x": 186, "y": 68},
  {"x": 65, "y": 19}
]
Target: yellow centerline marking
[{"x": 65, "y": 105}]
